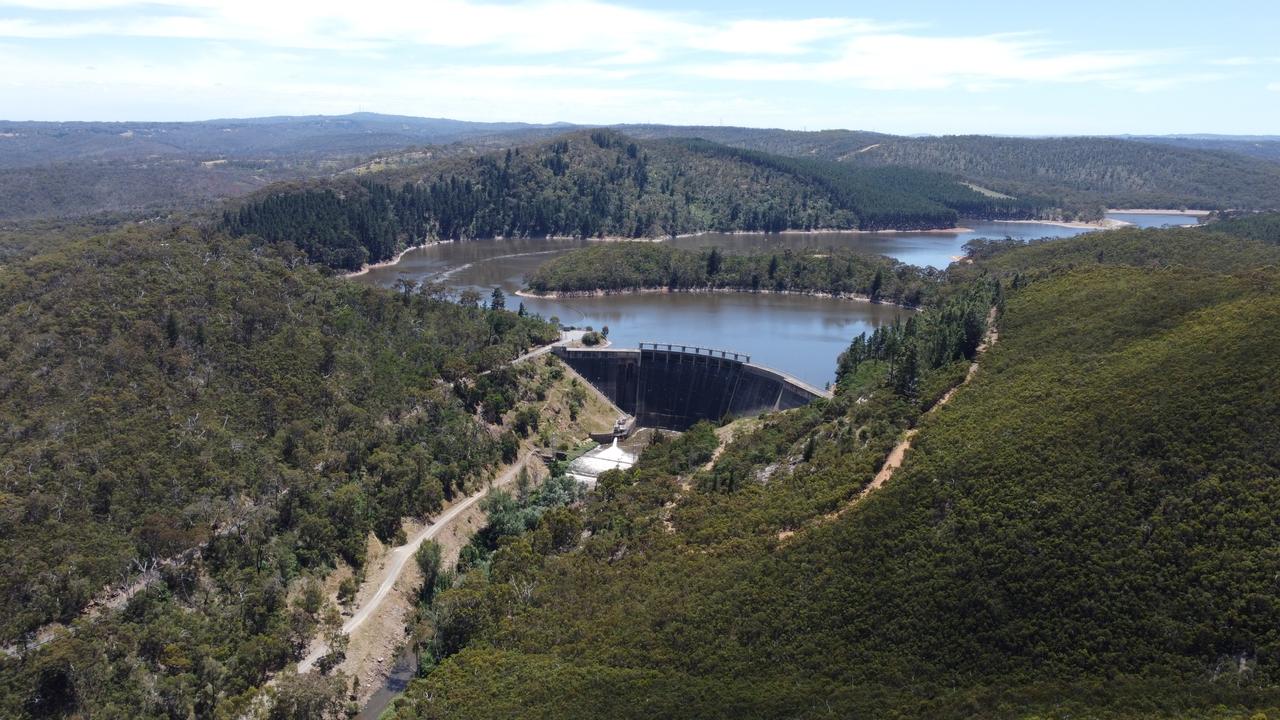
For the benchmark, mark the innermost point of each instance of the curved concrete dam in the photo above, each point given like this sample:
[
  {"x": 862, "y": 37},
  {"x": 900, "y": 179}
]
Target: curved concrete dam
[{"x": 675, "y": 386}]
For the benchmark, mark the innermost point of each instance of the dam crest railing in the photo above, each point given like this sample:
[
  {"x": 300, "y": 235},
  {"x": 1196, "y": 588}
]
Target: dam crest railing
[{"x": 696, "y": 350}]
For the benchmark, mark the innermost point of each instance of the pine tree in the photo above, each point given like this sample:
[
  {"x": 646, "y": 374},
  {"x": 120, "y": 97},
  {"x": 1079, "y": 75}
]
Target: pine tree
[
  {"x": 171, "y": 329},
  {"x": 906, "y": 371},
  {"x": 877, "y": 283}
]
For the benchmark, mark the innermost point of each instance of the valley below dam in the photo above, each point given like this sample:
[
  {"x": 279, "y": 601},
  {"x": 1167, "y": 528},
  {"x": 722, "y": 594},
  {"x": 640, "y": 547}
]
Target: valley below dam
[{"x": 801, "y": 335}]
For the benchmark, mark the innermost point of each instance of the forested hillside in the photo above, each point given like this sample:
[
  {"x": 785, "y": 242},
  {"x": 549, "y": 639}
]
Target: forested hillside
[
  {"x": 601, "y": 183},
  {"x": 1266, "y": 147},
  {"x": 1235, "y": 246},
  {"x": 1115, "y": 173},
  {"x": 1083, "y": 174},
  {"x": 1085, "y": 530},
  {"x": 619, "y": 267},
  {"x": 165, "y": 389}
]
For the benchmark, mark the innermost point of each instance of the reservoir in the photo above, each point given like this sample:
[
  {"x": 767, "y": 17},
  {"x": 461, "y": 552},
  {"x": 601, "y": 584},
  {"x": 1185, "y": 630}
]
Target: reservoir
[{"x": 800, "y": 335}]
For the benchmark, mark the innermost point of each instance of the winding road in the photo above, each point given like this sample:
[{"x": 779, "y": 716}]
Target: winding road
[{"x": 400, "y": 556}]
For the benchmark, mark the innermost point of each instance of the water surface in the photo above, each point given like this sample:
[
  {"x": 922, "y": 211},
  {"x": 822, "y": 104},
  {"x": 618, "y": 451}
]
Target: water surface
[
  {"x": 800, "y": 335},
  {"x": 936, "y": 249}
]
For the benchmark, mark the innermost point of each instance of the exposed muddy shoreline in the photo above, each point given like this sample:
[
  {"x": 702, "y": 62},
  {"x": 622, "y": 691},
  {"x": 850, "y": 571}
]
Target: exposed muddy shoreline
[{"x": 854, "y": 297}]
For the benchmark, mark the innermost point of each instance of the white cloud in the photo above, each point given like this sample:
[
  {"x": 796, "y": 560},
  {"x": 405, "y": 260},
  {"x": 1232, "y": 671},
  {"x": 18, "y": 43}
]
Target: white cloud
[
  {"x": 1244, "y": 61},
  {"x": 776, "y": 37},
  {"x": 69, "y": 5},
  {"x": 871, "y": 54},
  {"x": 1274, "y": 87},
  {"x": 1168, "y": 82},
  {"x": 581, "y": 60},
  {"x": 533, "y": 26},
  {"x": 202, "y": 85},
  {"x": 27, "y": 29},
  {"x": 915, "y": 62}
]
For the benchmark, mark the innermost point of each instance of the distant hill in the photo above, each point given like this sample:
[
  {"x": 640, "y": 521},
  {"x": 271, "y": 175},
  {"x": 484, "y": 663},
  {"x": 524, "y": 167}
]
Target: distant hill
[
  {"x": 602, "y": 183},
  {"x": 24, "y": 144},
  {"x": 1087, "y": 173},
  {"x": 1266, "y": 147},
  {"x": 822, "y": 144},
  {"x": 57, "y": 169}
]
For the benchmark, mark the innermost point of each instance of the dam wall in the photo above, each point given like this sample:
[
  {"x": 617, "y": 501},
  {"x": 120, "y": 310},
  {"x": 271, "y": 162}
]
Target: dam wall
[
  {"x": 675, "y": 386},
  {"x": 615, "y": 373}
]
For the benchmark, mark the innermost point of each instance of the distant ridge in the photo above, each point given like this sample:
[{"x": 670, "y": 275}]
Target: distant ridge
[
  {"x": 31, "y": 143},
  {"x": 66, "y": 169}
]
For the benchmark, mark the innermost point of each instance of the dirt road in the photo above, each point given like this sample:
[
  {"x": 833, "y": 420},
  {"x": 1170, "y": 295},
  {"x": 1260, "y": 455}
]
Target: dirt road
[
  {"x": 899, "y": 452},
  {"x": 398, "y": 559}
]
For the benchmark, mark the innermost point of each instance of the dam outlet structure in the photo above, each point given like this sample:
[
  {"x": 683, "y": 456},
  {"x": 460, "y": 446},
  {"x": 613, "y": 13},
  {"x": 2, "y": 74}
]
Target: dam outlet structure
[{"x": 673, "y": 387}]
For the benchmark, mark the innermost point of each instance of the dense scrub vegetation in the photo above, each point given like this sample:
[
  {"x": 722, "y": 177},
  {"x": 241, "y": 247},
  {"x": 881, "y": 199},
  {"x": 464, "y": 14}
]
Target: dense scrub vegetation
[
  {"x": 1206, "y": 247},
  {"x": 1084, "y": 175},
  {"x": 24, "y": 238},
  {"x": 1264, "y": 227},
  {"x": 521, "y": 528},
  {"x": 603, "y": 184},
  {"x": 1085, "y": 530},
  {"x": 165, "y": 390},
  {"x": 615, "y": 267}
]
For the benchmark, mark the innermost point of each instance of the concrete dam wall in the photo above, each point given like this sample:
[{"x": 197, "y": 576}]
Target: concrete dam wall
[{"x": 675, "y": 386}]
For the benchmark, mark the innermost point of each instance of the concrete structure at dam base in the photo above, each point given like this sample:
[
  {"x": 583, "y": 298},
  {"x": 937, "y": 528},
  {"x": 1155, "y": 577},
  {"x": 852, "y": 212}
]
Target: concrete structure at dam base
[{"x": 674, "y": 386}]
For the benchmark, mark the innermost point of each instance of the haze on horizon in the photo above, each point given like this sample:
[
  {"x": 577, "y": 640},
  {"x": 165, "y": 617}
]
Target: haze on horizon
[{"x": 934, "y": 67}]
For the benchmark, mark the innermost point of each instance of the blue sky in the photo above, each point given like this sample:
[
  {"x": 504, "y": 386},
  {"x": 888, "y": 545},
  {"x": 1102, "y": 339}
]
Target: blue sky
[{"x": 905, "y": 67}]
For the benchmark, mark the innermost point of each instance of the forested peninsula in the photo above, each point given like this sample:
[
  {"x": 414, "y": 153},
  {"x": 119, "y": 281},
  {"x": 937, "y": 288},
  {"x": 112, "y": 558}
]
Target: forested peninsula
[
  {"x": 604, "y": 184},
  {"x": 635, "y": 266}
]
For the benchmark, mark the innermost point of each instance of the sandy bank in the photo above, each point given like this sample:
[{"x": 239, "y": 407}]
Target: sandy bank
[
  {"x": 661, "y": 238},
  {"x": 1105, "y": 224},
  {"x": 827, "y": 231},
  {"x": 1150, "y": 211},
  {"x": 814, "y": 231},
  {"x": 387, "y": 263}
]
